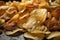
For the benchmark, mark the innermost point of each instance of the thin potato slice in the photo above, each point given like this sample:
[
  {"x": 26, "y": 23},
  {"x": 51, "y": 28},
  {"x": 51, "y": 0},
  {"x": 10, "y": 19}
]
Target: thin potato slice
[
  {"x": 34, "y": 37},
  {"x": 40, "y": 14},
  {"x": 14, "y": 31},
  {"x": 53, "y": 35},
  {"x": 14, "y": 18}
]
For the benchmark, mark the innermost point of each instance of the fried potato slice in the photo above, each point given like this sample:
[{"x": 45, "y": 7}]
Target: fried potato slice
[
  {"x": 13, "y": 32},
  {"x": 39, "y": 14},
  {"x": 53, "y": 35},
  {"x": 34, "y": 37}
]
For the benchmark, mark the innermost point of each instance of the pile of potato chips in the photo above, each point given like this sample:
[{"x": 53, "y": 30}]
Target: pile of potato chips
[{"x": 36, "y": 19}]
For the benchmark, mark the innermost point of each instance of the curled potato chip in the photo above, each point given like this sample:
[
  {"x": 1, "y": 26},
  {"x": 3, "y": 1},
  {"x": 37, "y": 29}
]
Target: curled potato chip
[
  {"x": 8, "y": 15},
  {"x": 10, "y": 25},
  {"x": 4, "y": 7},
  {"x": 14, "y": 31},
  {"x": 34, "y": 37},
  {"x": 3, "y": 15},
  {"x": 15, "y": 17},
  {"x": 30, "y": 23},
  {"x": 28, "y": 35},
  {"x": 39, "y": 14},
  {"x": 39, "y": 32},
  {"x": 53, "y": 35},
  {"x": 3, "y": 10},
  {"x": 54, "y": 3},
  {"x": 21, "y": 7},
  {"x": 11, "y": 10},
  {"x": 23, "y": 18}
]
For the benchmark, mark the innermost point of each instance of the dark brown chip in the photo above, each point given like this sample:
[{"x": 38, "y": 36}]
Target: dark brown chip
[
  {"x": 56, "y": 13},
  {"x": 10, "y": 26},
  {"x": 2, "y": 3},
  {"x": 53, "y": 25}
]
